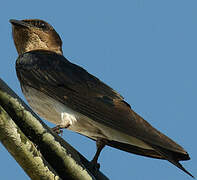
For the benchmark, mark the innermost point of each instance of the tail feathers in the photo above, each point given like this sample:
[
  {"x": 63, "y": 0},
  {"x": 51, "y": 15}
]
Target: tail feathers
[{"x": 168, "y": 155}]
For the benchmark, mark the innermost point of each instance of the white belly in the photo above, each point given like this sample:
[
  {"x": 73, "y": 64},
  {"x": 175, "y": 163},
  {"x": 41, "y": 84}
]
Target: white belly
[{"x": 60, "y": 114}]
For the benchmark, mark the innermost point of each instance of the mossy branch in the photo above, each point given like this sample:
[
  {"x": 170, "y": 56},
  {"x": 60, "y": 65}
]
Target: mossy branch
[{"x": 39, "y": 151}]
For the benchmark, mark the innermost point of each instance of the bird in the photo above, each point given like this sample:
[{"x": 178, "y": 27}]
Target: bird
[{"x": 70, "y": 97}]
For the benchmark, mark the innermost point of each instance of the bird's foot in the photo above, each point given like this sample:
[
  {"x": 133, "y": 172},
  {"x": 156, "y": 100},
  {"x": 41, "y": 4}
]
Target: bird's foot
[
  {"x": 58, "y": 129},
  {"x": 100, "y": 143},
  {"x": 95, "y": 167}
]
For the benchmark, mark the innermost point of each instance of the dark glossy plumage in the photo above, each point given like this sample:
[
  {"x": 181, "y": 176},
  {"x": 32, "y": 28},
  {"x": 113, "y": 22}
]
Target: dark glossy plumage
[{"x": 73, "y": 86}]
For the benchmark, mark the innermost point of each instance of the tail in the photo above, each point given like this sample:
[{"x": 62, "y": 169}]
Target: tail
[{"x": 171, "y": 157}]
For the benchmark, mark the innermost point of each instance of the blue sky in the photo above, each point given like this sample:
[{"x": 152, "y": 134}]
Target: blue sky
[{"x": 145, "y": 50}]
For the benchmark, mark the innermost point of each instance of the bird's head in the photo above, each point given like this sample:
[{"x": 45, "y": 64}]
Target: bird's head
[{"x": 35, "y": 34}]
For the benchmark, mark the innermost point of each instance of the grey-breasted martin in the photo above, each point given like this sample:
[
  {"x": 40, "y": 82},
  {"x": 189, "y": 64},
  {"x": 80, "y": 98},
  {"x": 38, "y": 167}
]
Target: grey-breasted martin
[{"x": 68, "y": 96}]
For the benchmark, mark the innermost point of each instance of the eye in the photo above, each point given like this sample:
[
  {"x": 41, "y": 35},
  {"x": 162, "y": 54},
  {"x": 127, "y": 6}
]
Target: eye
[{"x": 40, "y": 24}]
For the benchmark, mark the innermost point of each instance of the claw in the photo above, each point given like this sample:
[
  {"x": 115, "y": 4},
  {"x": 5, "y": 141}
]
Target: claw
[{"x": 58, "y": 129}]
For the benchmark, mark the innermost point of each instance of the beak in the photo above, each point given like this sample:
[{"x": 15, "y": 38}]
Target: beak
[{"x": 19, "y": 23}]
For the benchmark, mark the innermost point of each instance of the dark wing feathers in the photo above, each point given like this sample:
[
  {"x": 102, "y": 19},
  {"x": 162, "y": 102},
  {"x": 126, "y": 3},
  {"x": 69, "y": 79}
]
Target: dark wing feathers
[
  {"x": 75, "y": 87},
  {"x": 56, "y": 70},
  {"x": 72, "y": 85}
]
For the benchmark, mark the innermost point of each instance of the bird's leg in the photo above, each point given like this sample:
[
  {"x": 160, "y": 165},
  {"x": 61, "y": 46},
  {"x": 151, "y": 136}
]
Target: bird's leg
[
  {"x": 66, "y": 122},
  {"x": 100, "y": 144},
  {"x": 58, "y": 128}
]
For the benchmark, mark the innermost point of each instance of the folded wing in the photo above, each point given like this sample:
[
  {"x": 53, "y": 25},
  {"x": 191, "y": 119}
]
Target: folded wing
[{"x": 55, "y": 76}]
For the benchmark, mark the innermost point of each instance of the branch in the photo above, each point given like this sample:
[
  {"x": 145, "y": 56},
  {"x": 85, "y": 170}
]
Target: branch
[
  {"x": 22, "y": 149},
  {"x": 35, "y": 145}
]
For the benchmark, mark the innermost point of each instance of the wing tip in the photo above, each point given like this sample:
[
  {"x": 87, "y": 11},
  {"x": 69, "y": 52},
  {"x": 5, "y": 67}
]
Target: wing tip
[
  {"x": 183, "y": 169},
  {"x": 174, "y": 158}
]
